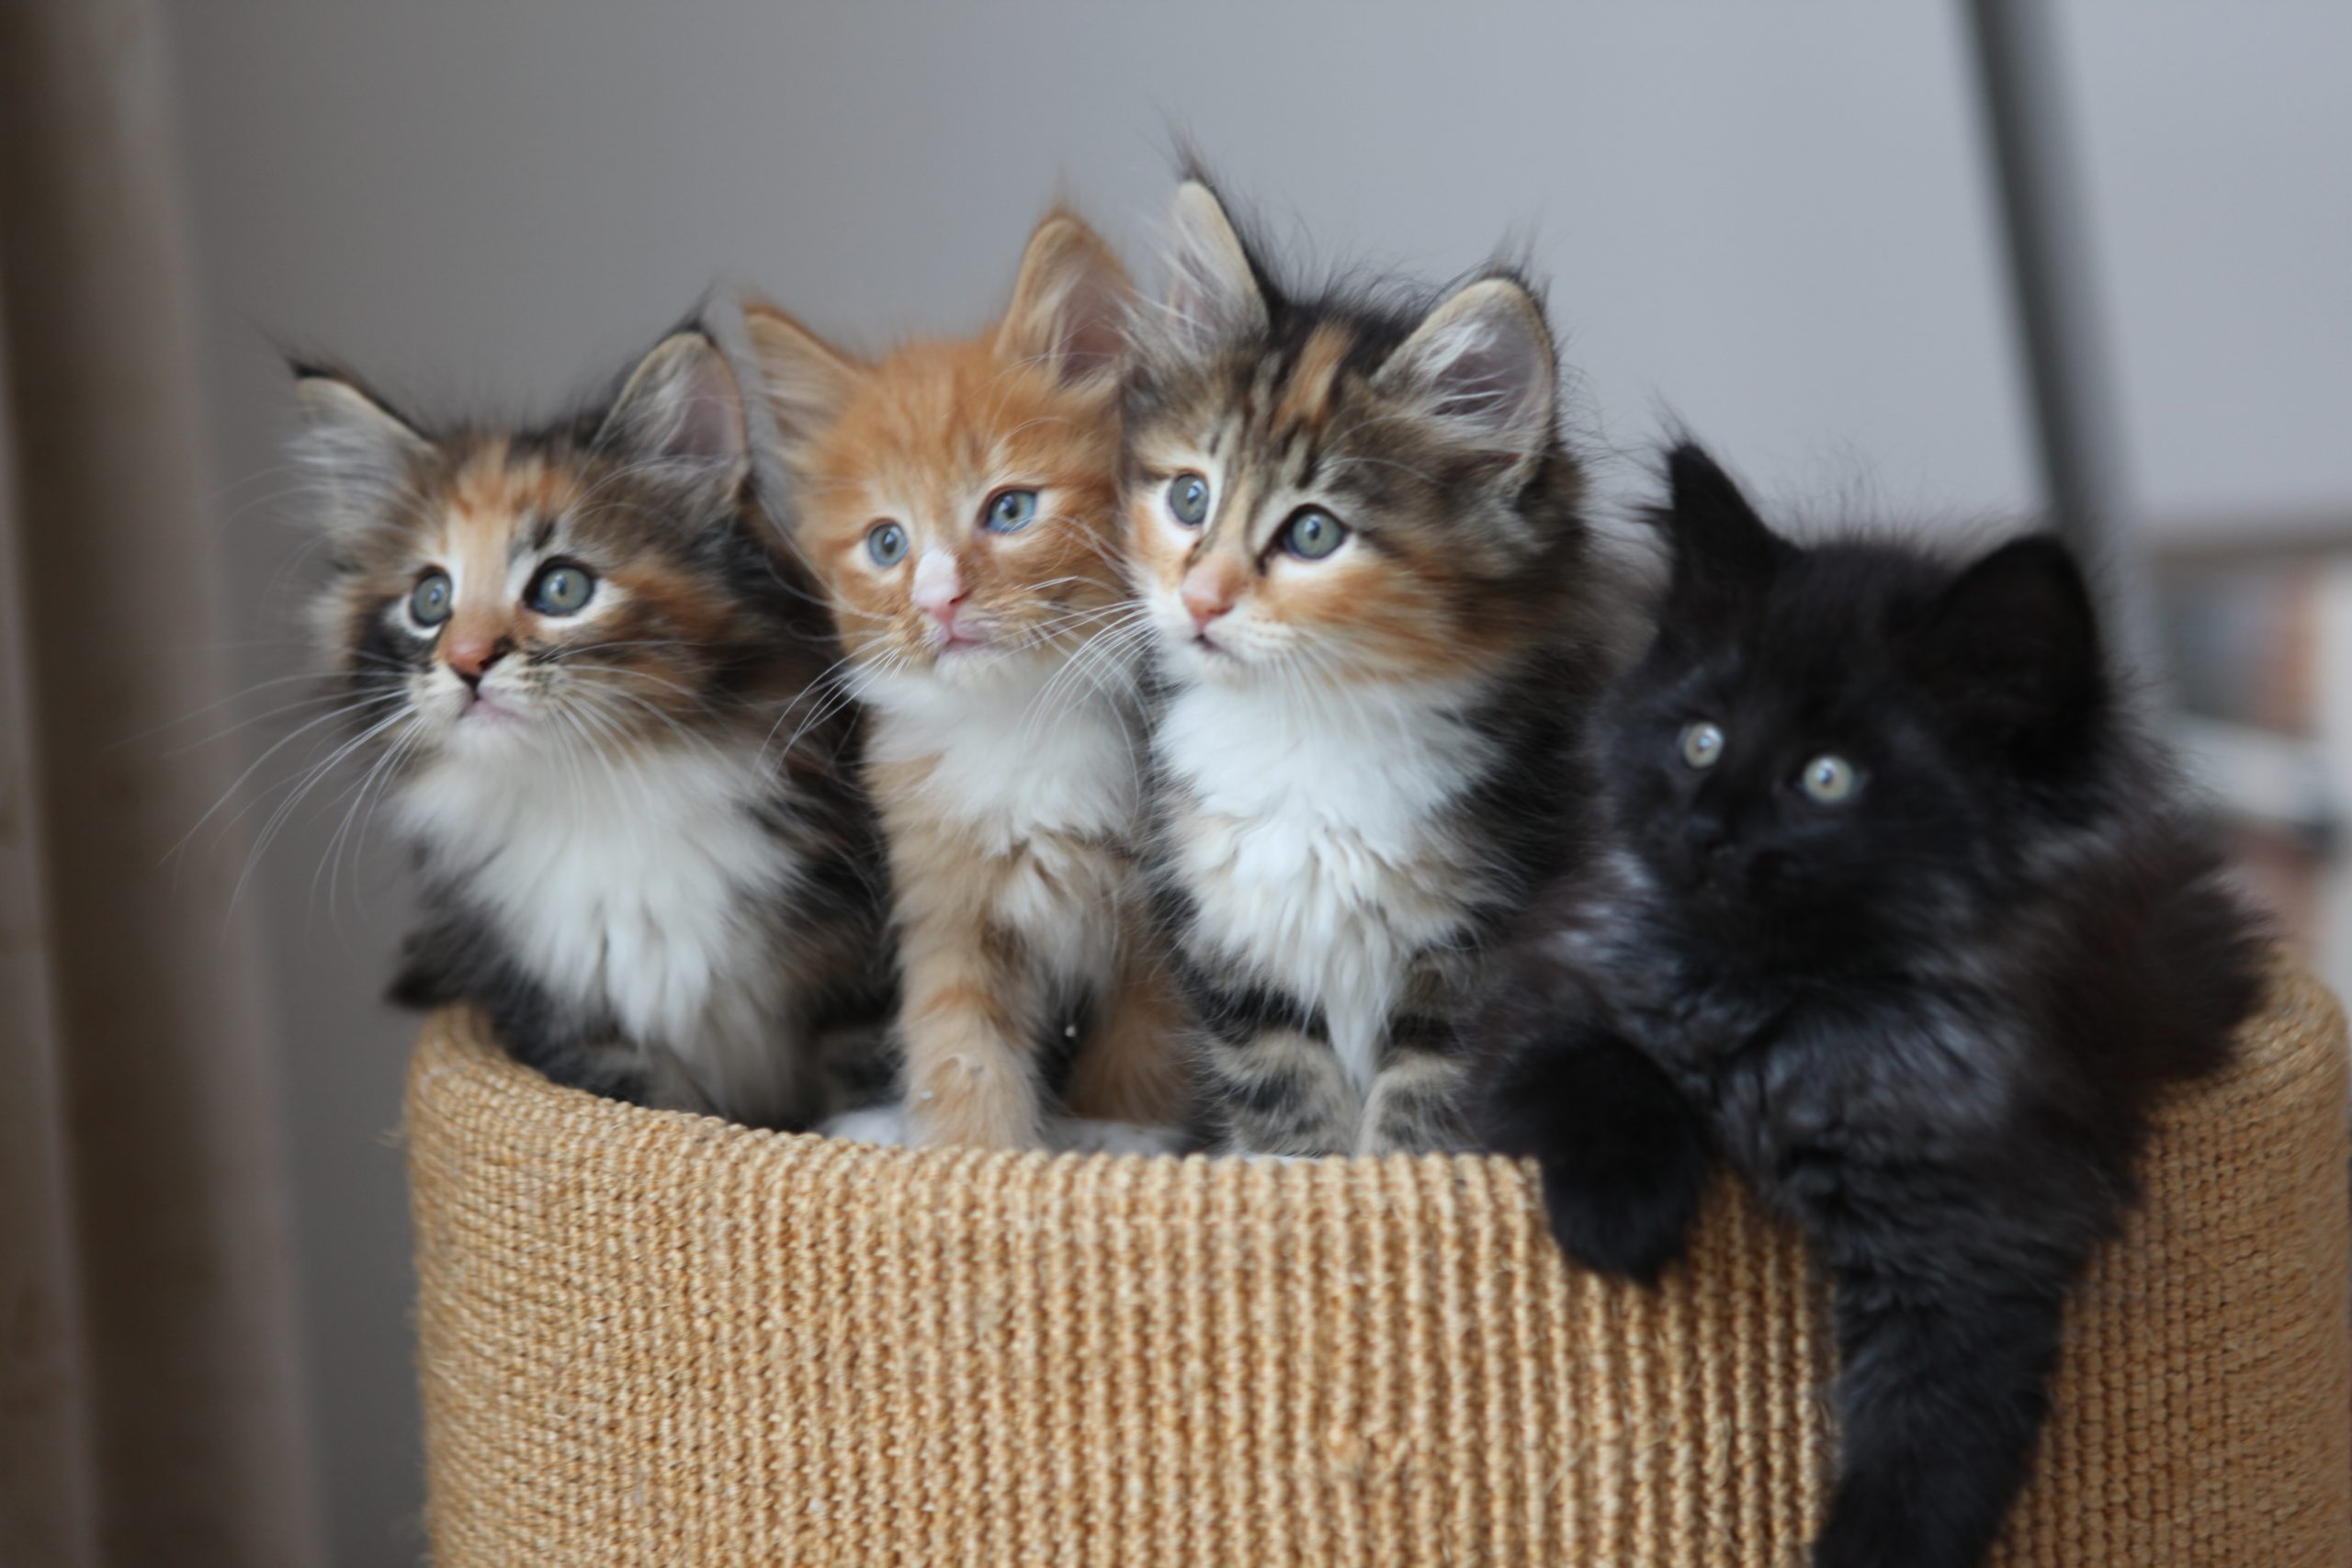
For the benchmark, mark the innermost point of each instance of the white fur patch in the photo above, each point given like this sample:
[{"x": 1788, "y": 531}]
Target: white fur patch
[
  {"x": 1009, "y": 757},
  {"x": 892, "y": 1127},
  {"x": 1313, "y": 846},
  {"x": 888, "y": 1125},
  {"x": 633, "y": 883},
  {"x": 1038, "y": 778}
]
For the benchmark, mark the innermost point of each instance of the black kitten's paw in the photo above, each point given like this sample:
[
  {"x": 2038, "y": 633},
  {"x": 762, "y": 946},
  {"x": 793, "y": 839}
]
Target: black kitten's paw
[
  {"x": 1623, "y": 1212},
  {"x": 1626, "y": 1159},
  {"x": 1862, "y": 1536}
]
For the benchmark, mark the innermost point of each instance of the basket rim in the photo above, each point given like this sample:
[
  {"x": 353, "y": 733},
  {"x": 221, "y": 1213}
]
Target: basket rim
[{"x": 2297, "y": 1033}]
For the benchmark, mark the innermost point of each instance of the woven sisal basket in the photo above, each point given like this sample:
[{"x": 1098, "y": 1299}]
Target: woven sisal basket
[{"x": 655, "y": 1338}]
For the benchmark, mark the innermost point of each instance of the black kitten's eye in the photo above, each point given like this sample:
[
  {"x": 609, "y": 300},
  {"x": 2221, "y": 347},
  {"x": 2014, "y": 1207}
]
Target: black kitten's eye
[
  {"x": 560, "y": 590},
  {"x": 1702, "y": 744},
  {"x": 1829, "y": 780},
  {"x": 1312, "y": 534},
  {"x": 1188, "y": 498},
  {"x": 429, "y": 600}
]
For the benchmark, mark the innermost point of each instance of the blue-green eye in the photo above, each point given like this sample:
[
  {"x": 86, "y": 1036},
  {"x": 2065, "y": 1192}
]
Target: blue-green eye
[
  {"x": 429, "y": 600},
  {"x": 1829, "y": 780},
  {"x": 1188, "y": 498},
  {"x": 886, "y": 543},
  {"x": 1312, "y": 534},
  {"x": 560, "y": 589},
  {"x": 1009, "y": 510}
]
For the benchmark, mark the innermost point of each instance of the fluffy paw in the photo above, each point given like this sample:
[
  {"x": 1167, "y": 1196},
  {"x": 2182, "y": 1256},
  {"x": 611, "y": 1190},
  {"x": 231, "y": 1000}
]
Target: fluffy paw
[
  {"x": 1629, "y": 1218},
  {"x": 884, "y": 1125},
  {"x": 1086, "y": 1135}
]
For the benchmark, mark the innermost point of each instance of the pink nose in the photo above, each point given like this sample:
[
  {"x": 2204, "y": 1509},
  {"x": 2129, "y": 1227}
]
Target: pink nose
[
  {"x": 938, "y": 589},
  {"x": 1206, "y": 596},
  {"x": 945, "y": 615},
  {"x": 471, "y": 653}
]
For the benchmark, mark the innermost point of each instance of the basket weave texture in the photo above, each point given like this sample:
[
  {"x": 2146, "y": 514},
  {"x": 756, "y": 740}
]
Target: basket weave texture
[{"x": 647, "y": 1337}]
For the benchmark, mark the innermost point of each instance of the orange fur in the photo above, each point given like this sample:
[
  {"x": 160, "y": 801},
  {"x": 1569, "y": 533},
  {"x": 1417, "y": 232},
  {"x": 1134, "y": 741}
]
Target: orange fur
[{"x": 1007, "y": 901}]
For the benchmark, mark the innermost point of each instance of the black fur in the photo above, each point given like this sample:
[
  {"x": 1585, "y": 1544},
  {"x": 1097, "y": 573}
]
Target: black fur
[{"x": 1926, "y": 1023}]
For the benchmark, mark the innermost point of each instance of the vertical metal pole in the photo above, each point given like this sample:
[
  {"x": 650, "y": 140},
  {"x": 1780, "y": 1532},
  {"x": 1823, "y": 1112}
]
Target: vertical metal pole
[
  {"x": 2332, "y": 941},
  {"x": 2022, "y": 94}
]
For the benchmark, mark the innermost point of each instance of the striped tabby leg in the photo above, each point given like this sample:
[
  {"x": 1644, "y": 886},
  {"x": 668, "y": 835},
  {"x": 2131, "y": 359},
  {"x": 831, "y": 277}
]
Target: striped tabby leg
[
  {"x": 1417, "y": 1104},
  {"x": 1282, "y": 1092},
  {"x": 1274, "y": 1085}
]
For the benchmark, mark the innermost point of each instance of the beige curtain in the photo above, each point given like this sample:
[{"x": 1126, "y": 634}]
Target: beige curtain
[{"x": 149, "y": 1401}]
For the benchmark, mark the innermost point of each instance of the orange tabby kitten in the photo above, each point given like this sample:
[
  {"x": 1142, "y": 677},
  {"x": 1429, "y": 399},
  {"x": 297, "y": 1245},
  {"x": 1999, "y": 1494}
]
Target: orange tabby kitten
[{"x": 959, "y": 502}]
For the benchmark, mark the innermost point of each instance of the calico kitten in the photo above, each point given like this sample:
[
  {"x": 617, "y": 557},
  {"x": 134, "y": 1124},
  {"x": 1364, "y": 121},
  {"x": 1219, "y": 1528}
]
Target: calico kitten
[
  {"x": 1375, "y": 607},
  {"x": 586, "y": 675},
  {"x": 958, "y": 500},
  {"x": 1900, "y": 918}
]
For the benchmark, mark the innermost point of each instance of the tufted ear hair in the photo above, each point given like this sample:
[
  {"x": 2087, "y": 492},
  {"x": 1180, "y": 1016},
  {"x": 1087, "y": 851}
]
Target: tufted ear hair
[
  {"x": 361, "y": 457},
  {"x": 681, "y": 405},
  {"x": 1072, "y": 304},
  {"x": 808, "y": 381},
  {"x": 1215, "y": 295},
  {"x": 2013, "y": 647},
  {"x": 1721, "y": 550},
  {"x": 1482, "y": 364}
]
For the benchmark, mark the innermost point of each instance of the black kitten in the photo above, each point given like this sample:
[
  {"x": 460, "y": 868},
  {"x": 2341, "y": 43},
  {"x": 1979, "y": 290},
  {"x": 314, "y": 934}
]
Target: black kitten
[{"x": 1902, "y": 918}]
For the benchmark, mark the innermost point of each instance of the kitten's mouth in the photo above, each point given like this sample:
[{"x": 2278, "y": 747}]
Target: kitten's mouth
[
  {"x": 485, "y": 711},
  {"x": 953, "y": 633}
]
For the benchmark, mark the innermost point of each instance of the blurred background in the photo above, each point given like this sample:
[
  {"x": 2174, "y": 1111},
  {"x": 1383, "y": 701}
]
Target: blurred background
[{"x": 2089, "y": 260}]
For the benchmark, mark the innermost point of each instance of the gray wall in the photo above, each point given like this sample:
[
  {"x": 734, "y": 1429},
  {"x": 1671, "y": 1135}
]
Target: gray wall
[{"x": 1767, "y": 221}]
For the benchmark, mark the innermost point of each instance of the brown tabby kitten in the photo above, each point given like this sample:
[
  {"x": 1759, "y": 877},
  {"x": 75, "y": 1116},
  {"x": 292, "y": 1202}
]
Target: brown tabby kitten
[
  {"x": 1377, "y": 610},
  {"x": 958, "y": 500},
  {"x": 573, "y": 655}
]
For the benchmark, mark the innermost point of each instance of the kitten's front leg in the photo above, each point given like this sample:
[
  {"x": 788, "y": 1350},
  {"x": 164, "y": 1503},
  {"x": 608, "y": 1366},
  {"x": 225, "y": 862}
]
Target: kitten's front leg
[
  {"x": 1273, "y": 1083},
  {"x": 1133, "y": 1067},
  {"x": 1940, "y": 1401},
  {"x": 1624, "y": 1156},
  {"x": 1416, "y": 1103},
  {"x": 966, "y": 1027}
]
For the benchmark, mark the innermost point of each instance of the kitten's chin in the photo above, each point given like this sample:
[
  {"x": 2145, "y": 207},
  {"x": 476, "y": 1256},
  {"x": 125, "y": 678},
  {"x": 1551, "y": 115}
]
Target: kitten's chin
[
  {"x": 1201, "y": 661},
  {"x": 486, "y": 725},
  {"x": 987, "y": 665},
  {"x": 963, "y": 667}
]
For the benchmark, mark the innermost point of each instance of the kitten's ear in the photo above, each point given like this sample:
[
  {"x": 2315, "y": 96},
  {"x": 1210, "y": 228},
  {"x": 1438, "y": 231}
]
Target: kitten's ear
[
  {"x": 1072, "y": 304},
  {"x": 362, "y": 455},
  {"x": 681, "y": 406},
  {"x": 1481, "y": 362},
  {"x": 2014, "y": 644},
  {"x": 1718, "y": 542},
  {"x": 807, "y": 380},
  {"x": 1213, "y": 293}
]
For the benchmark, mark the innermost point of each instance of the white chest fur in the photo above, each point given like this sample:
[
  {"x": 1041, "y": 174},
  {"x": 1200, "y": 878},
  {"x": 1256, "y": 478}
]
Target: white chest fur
[
  {"x": 638, "y": 883},
  {"x": 1034, "y": 779},
  {"x": 1012, "y": 761},
  {"x": 1310, "y": 835}
]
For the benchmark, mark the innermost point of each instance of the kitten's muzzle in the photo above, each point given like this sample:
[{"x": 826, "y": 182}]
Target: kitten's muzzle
[
  {"x": 469, "y": 655},
  {"x": 1714, "y": 862},
  {"x": 1209, "y": 592}
]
